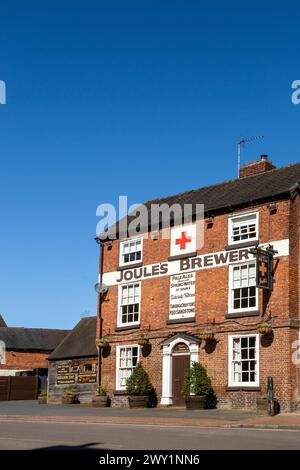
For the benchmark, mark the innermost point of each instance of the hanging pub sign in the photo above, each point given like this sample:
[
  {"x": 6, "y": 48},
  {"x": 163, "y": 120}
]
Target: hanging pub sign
[
  {"x": 264, "y": 267},
  {"x": 264, "y": 270}
]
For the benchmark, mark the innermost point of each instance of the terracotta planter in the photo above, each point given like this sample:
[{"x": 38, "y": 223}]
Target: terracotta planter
[
  {"x": 262, "y": 405},
  {"x": 264, "y": 328},
  {"x": 195, "y": 402},
  {"x": 100, "y": 401},
  {"x": 42, "y": 399},
  {"x": 138, "y": 401},
  {"x": 68, "y": 399}
]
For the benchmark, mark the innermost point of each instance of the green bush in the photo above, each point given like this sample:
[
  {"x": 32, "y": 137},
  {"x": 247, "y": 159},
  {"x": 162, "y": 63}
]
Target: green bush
[
  {"x": 139, "y": 382},
  {"x": 196, "y": 381},
  {"x": 101, "y": 391}
]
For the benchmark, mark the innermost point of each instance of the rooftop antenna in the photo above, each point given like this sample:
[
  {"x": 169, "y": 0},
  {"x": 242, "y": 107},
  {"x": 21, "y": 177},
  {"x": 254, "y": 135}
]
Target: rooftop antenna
[{"x": 244, "y": 141}]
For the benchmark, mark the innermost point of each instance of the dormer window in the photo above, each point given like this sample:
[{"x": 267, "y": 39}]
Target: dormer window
[{"x": 131, "y": 251}]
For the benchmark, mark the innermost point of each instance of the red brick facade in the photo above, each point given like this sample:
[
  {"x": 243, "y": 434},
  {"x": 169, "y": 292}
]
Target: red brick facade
[
  {"x": 25, "y": 360},
  {"x": 275, "y": 351}
]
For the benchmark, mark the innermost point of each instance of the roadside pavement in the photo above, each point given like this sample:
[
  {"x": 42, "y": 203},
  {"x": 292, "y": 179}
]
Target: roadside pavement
[{"x": 31, "y": 411}]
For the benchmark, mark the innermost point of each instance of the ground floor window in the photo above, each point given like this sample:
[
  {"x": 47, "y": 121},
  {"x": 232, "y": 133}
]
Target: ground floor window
[
  {"x": 244, "y": 360},
  {"x": 127, "y": 359}
]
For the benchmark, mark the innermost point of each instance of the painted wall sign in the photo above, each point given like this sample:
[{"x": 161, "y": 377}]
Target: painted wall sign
[
  {"x": 182, "y": 296},
  {"x": 65, "y": 379},
  {"x": 206, "y": 261},
  {"x": 63, "y": 369},
  {"x": 86, "y": 378}
]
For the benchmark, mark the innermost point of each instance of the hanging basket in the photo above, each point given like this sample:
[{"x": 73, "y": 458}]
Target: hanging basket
[
  {"x": 264, "y": 328},
  {"x": 102, "y": 343},
  {"x": 143, "y": 340},
  {"x": 207, "y": 335}
]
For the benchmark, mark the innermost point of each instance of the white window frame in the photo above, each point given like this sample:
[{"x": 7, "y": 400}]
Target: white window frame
[
  {"x": 129, "y": 240},
  {"x": 119, "y": 347},
  {"x": 134, "y": 323},
  {"x": 231, "y": 381},
  {"x": 230, "y": 290},
  {"x": 231, "y": 222}
]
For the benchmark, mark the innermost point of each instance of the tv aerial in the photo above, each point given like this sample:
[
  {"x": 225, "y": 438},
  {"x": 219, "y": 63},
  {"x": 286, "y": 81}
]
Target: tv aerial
[{"x": 242, "y": 142}]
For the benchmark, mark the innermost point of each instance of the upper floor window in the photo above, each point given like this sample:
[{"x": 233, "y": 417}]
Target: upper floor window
[
  {"x": 243, "y": 227},
  {"x": 243, "y": 360},
  {"x": 243, "y": 294},
  {"x": 129, "y": 304},
  {"x": 131, "y": 251}
]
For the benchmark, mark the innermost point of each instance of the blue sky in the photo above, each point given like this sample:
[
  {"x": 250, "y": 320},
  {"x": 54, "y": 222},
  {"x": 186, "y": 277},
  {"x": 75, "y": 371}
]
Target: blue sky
[{"x": 142, "y": 98}]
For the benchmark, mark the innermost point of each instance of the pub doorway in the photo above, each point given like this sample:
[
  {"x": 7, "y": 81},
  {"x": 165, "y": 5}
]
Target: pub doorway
[{"x": 181, "y": 361}]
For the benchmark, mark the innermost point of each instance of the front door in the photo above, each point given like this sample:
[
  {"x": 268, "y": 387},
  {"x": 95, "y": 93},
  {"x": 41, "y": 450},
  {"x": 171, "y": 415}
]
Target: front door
[{"x": 180, "y": 365}]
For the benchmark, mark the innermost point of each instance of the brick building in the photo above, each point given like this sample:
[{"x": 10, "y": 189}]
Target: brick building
[
  {"x": 173, "y": 291},
  {"x": 25, "y": 351}
]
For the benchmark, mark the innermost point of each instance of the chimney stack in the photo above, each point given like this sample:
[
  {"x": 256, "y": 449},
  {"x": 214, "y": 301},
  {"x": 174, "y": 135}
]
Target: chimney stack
[{"x": 256, "y": 167}]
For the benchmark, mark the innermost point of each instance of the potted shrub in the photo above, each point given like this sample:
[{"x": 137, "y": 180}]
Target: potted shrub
[
  {"x": 102, "y": 342},
  {"x": 207, "y": 335},
  {"x": 264, "y": 327},
  {"x": 42, "y": 397},
  {"x": 69, "y": 397},
  {"x": 196, "y": 387},
  {"x": 138, "y": 387},
  {"x": 143, "y": 340},
  {"x": 101, "y": 399}
]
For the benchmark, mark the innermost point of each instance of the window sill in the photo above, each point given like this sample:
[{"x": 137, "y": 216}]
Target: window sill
[
  {"x": 127, "y": 327},
  {"x": 247, "y": 313},
  {"x": 242, "y": 388},
  {"x": 236, "y": 246},
  {"x": 186, "y": 255},
  {"x": 181, "y": 320},
  {"x": 130, "y": 266}
]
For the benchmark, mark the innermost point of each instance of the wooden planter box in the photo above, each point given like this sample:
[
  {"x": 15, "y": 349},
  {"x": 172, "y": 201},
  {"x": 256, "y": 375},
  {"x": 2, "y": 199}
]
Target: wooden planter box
[
  {"x": 100, "y": 401},
  {"x": 194, "y": 402},
  {"x": 69, "y": 399},
  {"x": 262, "y": 406},
  {"x": 42, "y": 399},
  {"x": 138, "y": 401}
]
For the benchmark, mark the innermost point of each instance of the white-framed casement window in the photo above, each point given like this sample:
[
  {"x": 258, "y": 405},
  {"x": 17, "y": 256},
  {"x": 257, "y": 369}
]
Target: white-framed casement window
[
  {"x": 243, "y": 228},
  {"x": 127, "y": 359},
  {"x": 243, "y": 293},
  {"x": 243, "y": 358},
  {"x": 129, "y": 304},
  {"x": 131, "y": 251}
]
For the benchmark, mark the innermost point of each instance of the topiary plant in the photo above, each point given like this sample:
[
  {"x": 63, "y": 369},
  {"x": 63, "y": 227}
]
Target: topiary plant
[
  {"x": 196, "y": 381},
  {"x": 139, "y": 383}
]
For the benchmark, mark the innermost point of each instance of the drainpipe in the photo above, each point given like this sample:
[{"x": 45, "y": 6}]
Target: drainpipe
[{"x": 101, "y": 244}]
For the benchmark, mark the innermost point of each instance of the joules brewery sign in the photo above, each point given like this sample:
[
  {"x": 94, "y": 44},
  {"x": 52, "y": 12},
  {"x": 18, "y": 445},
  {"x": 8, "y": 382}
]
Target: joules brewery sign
[{"x": 186, "y": 265}]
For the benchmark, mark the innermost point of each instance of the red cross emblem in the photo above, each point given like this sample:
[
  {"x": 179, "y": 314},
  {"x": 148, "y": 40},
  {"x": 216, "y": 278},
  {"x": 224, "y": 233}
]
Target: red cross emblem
[
  {"x": 263, "y": 269},
  {"x": 183, "y": 241}
]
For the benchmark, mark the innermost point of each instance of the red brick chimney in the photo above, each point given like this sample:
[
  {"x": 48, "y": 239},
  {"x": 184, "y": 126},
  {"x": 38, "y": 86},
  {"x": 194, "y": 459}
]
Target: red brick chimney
[{"x": 256, "y": 167}]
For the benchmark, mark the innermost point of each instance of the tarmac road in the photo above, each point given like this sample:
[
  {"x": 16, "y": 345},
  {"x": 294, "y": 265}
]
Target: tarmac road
[{"x": 24, "y": 435}]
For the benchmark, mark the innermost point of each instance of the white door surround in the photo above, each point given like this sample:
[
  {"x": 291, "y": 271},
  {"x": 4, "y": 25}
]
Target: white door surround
[{"x": 192, "y": 342}]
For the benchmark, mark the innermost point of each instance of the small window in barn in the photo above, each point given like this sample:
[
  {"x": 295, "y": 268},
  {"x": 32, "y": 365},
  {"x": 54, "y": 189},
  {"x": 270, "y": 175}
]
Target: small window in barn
[
  {"x": 88, "y": 368},
  {"x": 131, "y": 251}
]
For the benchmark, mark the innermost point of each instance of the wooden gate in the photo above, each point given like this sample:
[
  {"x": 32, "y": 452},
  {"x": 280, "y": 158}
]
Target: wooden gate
[{"x": 18, "y": 388}]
